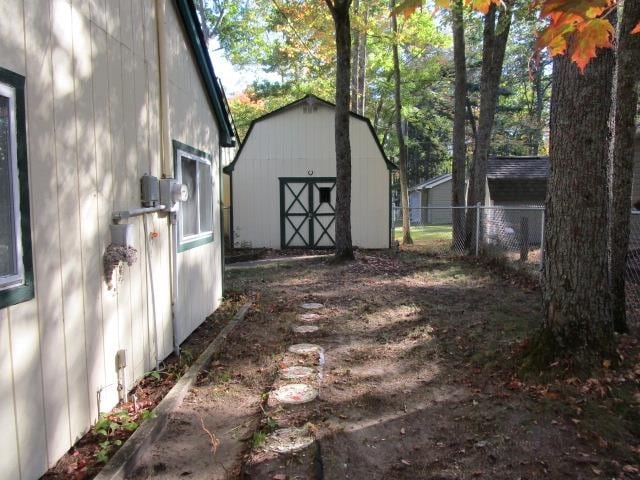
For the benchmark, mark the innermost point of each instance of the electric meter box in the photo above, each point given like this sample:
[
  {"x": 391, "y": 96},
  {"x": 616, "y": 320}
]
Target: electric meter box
[
  {"x": 149, "y": 191},
  {"x": 171, "y": 193}
]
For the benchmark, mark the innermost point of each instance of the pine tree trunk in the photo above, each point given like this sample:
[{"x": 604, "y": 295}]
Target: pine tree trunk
[
  {"x": 577, "y": 324},
  {"x": 362, "y": 66},
  {"x": 340, "y": 13},
  {"x": 459, "y": 148},
  {"x": 402, "y": 156},
  {"x": 494, "y": 44},
  {"x": 355, "y": 64},
  {"x": 625, "y": 100}
]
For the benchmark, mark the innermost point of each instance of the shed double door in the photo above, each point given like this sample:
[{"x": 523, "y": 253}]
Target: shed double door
[{"x": 307, "y": 212}]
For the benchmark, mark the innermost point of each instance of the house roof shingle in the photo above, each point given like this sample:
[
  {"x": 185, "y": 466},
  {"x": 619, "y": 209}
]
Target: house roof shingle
[{"x": 504, "y": 168}]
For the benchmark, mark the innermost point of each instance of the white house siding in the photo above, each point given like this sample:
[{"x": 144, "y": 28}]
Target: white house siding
[
  {"x": 193, "y": 123},
  {"x": 292, "y": 144},
  {"x": 92, "y": 104}
]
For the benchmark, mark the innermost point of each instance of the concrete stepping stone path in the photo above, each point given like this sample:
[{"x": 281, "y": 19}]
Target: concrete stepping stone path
[
  {"x": 312, "y": 306},
  {"x": 297, "y": 372},
  {"x": 305, "y": 348},
  {"x": 295, "y": 394},
  {"x": 287, "y": 440},
  {"x": 309, "y": 317},
  {"x": 305, "y": 328}
]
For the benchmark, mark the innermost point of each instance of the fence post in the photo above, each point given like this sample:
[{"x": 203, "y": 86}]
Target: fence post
[
  {"x": 524, "y": 239},
  {"x": 477, "y": 229},
  {"x": 542, "y": 241}
]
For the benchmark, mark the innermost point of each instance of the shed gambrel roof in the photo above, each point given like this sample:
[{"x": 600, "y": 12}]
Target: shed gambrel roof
[
  {"x": 198, "y": 44},
  {"x": 433, "y": 182},
  {"x": 522, "y": 168},
  {"x": 309, "y": 98}
]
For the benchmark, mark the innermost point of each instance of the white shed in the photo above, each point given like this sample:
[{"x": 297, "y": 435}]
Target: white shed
[
  {"x": 93, "y": 96},
  {"x": 283, "y": 181},
  {"x": 435, "y": 193}
]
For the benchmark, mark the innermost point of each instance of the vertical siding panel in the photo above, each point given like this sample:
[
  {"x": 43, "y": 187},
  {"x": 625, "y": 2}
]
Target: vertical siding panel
[
  {"x": 140, "y": 358},
  {"x": 137, "y": 22},
  {"x": 45, "y": 217},
  {"x": 100, "y": 54},
  {"x": 130, "y": 169},
  {"x": 28, "y": 387},
  {"x": 98, "y": 11},
  {"x": 68, "y": 201},
  {"x": 12, "y": 36},
  {"x": 113, "y": 18},
  {"x": 126, "y": 31},
  {"x": 88, "y": 195},
  {"x": 9, "y": 460},
  {"x": 122, "y": 184}
]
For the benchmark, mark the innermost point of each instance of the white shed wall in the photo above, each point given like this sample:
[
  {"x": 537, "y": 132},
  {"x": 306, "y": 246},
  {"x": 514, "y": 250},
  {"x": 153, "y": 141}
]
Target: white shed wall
[
  {"x": 292, "y": 144},
  {"x": 93, "y": 129}
]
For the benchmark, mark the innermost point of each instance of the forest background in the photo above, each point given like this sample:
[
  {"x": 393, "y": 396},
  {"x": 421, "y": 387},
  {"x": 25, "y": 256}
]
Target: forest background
[{"x": 289, "y": 47}]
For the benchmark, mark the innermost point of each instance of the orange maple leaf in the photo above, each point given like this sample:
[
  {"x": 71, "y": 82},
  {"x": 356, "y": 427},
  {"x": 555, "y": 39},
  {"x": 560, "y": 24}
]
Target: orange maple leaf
[
  {"x": 584, "y": 8},
  {"x": 407, "y": 7},
  {"x": 636, "y": 29},
  {"x": 591, "y": 35}
]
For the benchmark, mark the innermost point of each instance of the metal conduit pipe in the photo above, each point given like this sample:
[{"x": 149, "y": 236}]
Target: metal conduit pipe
[
  {"x": 134, "y": 212},
  {"x": 167, "y": 167}
]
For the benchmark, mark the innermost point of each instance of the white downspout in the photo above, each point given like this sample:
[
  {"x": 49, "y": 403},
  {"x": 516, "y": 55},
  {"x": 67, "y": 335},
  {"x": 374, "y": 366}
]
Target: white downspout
[{"x": 167, "y": 167}]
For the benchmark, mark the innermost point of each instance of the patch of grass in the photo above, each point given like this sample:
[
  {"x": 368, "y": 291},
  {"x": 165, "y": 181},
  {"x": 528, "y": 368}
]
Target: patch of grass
[{"x": 258, "y": 439}]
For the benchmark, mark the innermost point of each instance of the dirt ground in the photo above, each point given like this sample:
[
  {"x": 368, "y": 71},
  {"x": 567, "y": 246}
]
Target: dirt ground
[{"x": 419, "y": 381}]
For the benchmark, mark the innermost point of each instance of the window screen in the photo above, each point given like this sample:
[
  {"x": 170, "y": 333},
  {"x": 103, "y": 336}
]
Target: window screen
[
  {"x": 8, "y": 238},
  {"x": 190, "y": 207},
  {"x": 16, "y": 268},
  {"x": 195, "y": 220},
  {"x": 206, "y": 197}
]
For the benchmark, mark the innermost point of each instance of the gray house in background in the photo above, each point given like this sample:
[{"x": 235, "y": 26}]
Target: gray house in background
[
  {"x": 517, "y": 183},
  {"x": 435, "y": 192}
]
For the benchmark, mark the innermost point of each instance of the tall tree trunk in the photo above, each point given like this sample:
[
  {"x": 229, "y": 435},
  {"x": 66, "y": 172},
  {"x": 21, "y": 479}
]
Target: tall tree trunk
[
  {"x": 458, "y": 170},
  {"x": 625, "y": 100},
  {"x": 577, "y": 325},
  {"x": 362, "y": 65},
  {"x": 539, "y": 108},
  {"x": 402, "y": 156},
  {"x": 494, "y": 44},
  {"x": 355, "y": 64},
  {"x": 340, "y": 13}
]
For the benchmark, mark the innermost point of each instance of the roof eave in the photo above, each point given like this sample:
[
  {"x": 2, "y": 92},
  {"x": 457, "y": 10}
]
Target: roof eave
[{"x": 214, "y": 93}]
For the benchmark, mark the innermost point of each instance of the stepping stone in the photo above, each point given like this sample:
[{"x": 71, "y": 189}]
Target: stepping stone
[
  {"x": 296, "y": 372},
  {"x": 295, "y": 393},
  {"x": 312, "y": 306},
  {"x": 286, "y": 440},
  {"x": 305, "y": 328},
  {"x": 305, "y": 348},
  {"x": 309, "y": 317}
]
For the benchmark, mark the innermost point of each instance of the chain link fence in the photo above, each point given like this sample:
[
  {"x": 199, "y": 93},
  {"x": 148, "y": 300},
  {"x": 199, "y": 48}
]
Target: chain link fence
[
  {"x": 632, "y": 277},
  {"x": 514, "y": 234}
]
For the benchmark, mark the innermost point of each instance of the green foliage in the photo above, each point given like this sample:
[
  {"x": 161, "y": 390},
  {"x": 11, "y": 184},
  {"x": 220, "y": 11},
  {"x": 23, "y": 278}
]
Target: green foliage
[{"x": 109, "y": 426}]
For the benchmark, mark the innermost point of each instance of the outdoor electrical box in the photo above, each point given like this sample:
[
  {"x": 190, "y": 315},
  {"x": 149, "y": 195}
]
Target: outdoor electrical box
[
  {"x": 171, "y": 193},
  {"x": 150, "y": 191}
]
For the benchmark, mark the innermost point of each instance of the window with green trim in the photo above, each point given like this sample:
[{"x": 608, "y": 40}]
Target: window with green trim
[
  {"x": 16, "y": 278},
  {"x": 194, "y": 169}
]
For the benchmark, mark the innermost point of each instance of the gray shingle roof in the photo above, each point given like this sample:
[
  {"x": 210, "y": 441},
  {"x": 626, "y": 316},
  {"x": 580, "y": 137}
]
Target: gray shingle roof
[{"x": 518, "y": 168}]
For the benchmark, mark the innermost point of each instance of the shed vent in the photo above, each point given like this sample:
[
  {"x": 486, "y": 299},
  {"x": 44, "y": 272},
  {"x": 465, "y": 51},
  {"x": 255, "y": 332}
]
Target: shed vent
[{"x": 310, "y": 106}]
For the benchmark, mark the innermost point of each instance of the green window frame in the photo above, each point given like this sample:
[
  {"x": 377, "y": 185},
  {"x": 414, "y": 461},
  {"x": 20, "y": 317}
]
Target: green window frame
[
  {"x": 195, "y": 216},
  {"x": 16, "y": 274}
]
